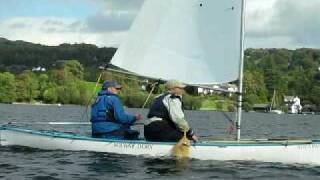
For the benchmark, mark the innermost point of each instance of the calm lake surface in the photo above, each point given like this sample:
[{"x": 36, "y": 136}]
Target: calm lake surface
[{"x": 26, "y": 163}]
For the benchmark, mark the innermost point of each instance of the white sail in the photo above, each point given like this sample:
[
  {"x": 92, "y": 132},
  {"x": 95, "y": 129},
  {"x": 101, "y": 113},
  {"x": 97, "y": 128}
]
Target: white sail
[{"x": 194, "y": 41}]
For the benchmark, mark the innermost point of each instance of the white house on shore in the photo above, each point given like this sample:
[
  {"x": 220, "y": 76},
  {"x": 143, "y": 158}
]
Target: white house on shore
[
  {"x": 217, "y": 89},
  {"x": 38, "y": 69},
  {"x": 293, "y": 103}
]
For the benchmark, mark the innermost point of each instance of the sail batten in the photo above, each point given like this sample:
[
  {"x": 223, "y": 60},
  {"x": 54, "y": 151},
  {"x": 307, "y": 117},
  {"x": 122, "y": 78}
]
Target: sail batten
[{"x": 194, "y": 41}]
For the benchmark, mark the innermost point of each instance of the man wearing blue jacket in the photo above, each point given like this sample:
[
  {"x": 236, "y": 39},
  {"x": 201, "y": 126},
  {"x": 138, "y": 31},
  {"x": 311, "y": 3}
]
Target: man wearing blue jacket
[{"x": 108, "y": 118}]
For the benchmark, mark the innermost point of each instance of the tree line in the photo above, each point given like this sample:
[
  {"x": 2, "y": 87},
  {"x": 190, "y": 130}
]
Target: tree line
[
  {"x": 288, "y": 72},
  {"x": 64, "y": 85},
  {"x": 17, "y": 56},
  {"x": 67, "y": 86}
]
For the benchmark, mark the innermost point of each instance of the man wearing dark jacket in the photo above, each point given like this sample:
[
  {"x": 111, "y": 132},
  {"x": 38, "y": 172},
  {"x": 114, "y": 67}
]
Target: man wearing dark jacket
[
  {"x": 108, "y": 118},
  {"x": 167, "y": 117}
]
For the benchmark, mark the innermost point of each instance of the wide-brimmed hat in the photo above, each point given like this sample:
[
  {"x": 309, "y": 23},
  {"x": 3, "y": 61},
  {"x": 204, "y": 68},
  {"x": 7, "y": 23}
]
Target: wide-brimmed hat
[
  {"x": 174, "y": 84},
  {"x": 108, "y": 83}
]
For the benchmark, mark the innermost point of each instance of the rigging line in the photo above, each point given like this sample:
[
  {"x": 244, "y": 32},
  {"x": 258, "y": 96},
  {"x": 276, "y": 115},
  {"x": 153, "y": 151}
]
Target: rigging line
[
  {"x": 124, "y": 77},
  {"x": 153, "y": 88},
  {"x": 118, "y": 72},
  {"x": 230, "y": 122},
  {"x": 90, "y": 99}
]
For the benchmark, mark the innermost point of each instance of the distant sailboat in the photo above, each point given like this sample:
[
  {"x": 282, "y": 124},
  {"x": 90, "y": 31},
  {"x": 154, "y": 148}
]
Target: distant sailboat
[
  {"x": 197, "y": 42},
  {"x": 272, "y": 105}
]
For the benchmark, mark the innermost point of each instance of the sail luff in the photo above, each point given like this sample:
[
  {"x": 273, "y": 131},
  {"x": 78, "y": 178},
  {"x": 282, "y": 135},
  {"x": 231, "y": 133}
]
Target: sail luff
[{"x": 239, "y": 111}]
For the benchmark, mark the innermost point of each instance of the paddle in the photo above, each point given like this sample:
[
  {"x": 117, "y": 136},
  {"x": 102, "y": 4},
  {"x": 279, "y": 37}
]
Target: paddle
[{"x": 182, "y": 148}]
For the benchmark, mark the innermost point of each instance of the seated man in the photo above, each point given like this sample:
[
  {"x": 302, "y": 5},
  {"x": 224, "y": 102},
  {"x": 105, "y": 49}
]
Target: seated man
[
  {"x": 108, "y": 117},
  {"x": 167, "y": 117}
]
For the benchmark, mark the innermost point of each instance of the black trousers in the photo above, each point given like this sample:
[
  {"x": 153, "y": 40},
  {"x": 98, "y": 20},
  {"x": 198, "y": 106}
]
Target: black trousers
[
  {"x": 119, "y": 134},
  {"x": 162, "y": 131}
]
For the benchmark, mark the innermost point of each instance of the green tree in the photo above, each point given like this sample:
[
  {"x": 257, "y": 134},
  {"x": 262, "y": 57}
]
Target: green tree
[
  {"x": 50, "y": 95},
  {"x": 69, "y": 93},
  {"x": 7, "y": 87},
  {"x": 85, "y": 93},
  {"x": 43, "y": 84},
  {"x": 57, "y": 76},
  {"x": 315, "y": 95},
  {"x": 300, "y": 81},
  {"x": 134, "y": 98},
  {"x": 191, "y": 102},
  {"x": 254, "y": 85},
  {"x": 73, "y": 70},
  {"x": 27, "y": 86}
]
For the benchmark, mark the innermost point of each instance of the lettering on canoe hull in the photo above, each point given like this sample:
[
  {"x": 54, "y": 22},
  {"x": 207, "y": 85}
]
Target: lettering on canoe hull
[
  {"x": 309, "y": 146},
  {"x": 132, "y": 146}
]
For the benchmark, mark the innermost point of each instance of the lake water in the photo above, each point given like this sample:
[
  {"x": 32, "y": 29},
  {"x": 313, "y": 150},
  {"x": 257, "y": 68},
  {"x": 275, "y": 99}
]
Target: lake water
[{"x": 27, "y": 163}]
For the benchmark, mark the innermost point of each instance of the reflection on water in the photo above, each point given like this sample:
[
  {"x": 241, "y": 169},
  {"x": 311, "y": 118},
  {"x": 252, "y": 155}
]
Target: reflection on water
[{"x": 167, "y": 166}]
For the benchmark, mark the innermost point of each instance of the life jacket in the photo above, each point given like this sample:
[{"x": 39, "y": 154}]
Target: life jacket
[
  {"x": 158, "y": 109},
  {"x": 101, "y": 111}
]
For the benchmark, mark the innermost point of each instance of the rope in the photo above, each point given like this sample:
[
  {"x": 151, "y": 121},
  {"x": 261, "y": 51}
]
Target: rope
[
  {"x": 133, "y": 79},
  {"x": 125, "y": 77},
  {"x": 85, "y": 113},
  {"x": 153, "y": 87}
]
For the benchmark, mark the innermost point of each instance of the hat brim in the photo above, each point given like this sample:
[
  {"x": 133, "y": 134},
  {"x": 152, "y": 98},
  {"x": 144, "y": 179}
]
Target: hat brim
[
  {"x": 118, "y": 86},
  {"x": 180, "y": 86}
]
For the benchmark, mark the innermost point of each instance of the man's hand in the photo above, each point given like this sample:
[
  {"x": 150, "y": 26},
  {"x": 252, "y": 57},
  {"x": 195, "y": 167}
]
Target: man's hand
[
  {"x": 138, "y": 117},
  {"x": 231, "y": 128},
  {"x": 194, "y": 138}
]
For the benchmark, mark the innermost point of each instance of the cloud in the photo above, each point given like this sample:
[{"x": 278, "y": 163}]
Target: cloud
[
  {"x": 55, "y": 31},
  {"x": 112, "y": 21},
  {"x": 106, "y": 27},
  {"x": 17, "y": 25},
  {"x": 269, "y": 24},
  {"x": 299, "y": 20},
  {"x": 284, "y": 23},
  {"x": 127, "y": 5},
  {"x": 258, "y": 14},
  {"x": 114, "y": 15}
]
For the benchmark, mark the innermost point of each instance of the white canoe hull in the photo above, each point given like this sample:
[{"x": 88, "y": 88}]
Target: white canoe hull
[{"x": 285, "y": 151}]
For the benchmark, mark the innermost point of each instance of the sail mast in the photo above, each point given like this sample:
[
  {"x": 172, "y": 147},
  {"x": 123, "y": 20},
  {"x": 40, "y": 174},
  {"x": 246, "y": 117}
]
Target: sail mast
[
  {"x": 272, "y": 100},
  {"x": 239, "y": 111}
]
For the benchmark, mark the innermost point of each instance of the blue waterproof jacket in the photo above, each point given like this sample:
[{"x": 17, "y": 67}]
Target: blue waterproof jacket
[{"x": 107, "y": 114}]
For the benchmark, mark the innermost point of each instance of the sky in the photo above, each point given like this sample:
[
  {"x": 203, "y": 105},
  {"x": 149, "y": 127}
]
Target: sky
[{"x": 269, "y": 23}]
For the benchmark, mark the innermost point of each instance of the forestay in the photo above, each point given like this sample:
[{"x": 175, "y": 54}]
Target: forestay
[{"x": 194, "y": 41}]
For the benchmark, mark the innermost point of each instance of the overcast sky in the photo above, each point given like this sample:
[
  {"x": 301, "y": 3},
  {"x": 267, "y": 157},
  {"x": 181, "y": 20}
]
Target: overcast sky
[{"x": 269, "y": 23}]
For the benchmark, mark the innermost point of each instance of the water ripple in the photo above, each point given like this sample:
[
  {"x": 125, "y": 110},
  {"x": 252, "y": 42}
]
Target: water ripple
[{"x": 18, "y": 162}]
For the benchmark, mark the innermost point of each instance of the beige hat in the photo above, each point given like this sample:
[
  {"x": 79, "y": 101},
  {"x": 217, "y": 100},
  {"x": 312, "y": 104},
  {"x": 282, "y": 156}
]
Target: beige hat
[{"x": 174, "y": 83}]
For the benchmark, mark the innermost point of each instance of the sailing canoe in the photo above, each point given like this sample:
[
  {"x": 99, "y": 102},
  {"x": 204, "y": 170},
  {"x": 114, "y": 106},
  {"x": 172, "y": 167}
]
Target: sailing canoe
[{"x": 283, "y": 151}]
